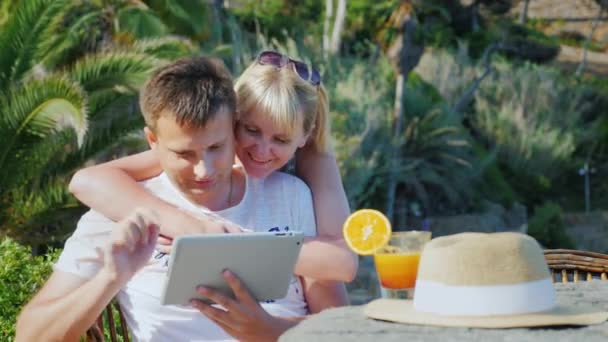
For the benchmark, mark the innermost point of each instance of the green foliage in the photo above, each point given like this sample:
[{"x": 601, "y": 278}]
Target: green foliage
[
  {"x": 434, "y": 161},
  {"x": 493, "y": 185},
  {"x": 536, "y": 121},
  {"x": 276, "y": 17},
  {"x": 535, "y": 127},
  {"x": 532, "y": 117},
  {"x": 189, "y": 18},
  {"x": 578, "y": 40},
  {"x": 358, "y": 125},
  {"x": 106, "y": 331},
  {"x": 169, "y": 48},
  {"x": 23, "y": 36},
  {"x": 547, "y": 226},
  {"x": 106, "y": 70},
  {"x": 67, "y": 94},
  {"x": 86, "y": 29},
  {"x": 450, "y": 73},
  {"x": 21, "y": 276},
  {"x": 6, "y": 8},
  {"x": 518, "y": 42},
  {"x": 30, "y": 113},
  {"x": 141, "y": 22},
  {"x": 529, "y": 44},
  {"x": 364, "y": 20},
  {"x": 594, "y": 152},
  {"x": 367, "y": 21}
]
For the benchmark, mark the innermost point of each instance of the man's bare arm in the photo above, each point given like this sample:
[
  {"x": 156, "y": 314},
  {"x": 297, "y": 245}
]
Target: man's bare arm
[{"x": 66, "y": 307}]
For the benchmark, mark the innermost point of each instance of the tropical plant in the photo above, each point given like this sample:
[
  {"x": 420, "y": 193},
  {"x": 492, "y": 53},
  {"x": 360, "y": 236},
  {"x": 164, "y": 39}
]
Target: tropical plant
[
  {"x": 21, "y": 276},
  {"x": 539, "y": 125},
  {"x": 532, "y": 116},
  {"x": 6, "y": 7},
  {"x": 548, "y": 227},
  {"x": 434, "y": 161},
  {"x": 56, "y": 115},
  {"x": 356, "y": 121},
  {"x": 189, "y": 18},
  {"x": 280, "y": 19}
]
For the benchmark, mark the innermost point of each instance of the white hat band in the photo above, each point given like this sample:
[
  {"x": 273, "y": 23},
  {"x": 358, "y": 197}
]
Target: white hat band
[{"x": 513, "y": 299}]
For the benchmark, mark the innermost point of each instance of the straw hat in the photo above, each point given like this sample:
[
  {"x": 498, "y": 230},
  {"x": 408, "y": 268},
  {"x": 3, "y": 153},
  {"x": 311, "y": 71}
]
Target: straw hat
[{"x": 497, "y": 280}]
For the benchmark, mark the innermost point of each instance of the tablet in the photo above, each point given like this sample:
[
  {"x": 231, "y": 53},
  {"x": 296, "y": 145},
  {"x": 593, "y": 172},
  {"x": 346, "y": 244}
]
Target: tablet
[{"x": 263, "y": 261}]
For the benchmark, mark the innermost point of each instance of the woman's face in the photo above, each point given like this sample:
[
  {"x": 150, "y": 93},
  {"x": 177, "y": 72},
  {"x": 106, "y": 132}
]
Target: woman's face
[{"x": 263, "y": 146}]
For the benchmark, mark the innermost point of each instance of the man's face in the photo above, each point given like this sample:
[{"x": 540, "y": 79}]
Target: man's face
[{"x": 197, "y": 160}]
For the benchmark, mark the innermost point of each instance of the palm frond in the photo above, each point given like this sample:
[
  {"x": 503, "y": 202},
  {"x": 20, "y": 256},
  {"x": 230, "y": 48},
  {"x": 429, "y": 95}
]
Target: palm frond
[
  {"x": 24, "y": 34},
  {"x": 56, "y": 50},
  {"x": 169, "y": 47},
  {"x": 107, "y": 128},
  {"x": 113, "y": 69},
  {"x": 42, "y": 213},
  {"x": 459, "y": 161},
  {"x": 190, "y": 18},
  {"x": 6, "y": 8},
  {"x": 99, "y": 100},
  {"x": 140, "y": 22},
  {"x": 35, "y": 110},
  {"x": 31, "y": 160}
]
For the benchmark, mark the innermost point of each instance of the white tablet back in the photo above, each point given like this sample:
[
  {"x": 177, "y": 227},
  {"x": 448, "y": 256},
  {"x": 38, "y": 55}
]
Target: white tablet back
[{"x": 263, "y": 261}]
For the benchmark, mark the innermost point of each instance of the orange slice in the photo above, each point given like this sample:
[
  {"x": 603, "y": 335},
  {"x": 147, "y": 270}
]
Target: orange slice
[{"x": 366, "y": 230}]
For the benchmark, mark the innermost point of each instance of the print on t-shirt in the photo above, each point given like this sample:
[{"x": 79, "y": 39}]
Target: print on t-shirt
[{"x": 277, "y": 229}]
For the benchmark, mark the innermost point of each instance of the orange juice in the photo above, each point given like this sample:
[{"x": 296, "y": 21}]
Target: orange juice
[{"x": 397, "y": 271}]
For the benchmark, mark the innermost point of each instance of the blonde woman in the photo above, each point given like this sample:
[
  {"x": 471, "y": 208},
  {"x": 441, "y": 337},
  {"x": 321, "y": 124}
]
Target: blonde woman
[{"x": 282, "y": 108}]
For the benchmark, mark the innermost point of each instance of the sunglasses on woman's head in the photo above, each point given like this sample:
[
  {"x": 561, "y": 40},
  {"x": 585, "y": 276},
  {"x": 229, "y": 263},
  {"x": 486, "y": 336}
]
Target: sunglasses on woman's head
[{"x": 279, "y": 60}]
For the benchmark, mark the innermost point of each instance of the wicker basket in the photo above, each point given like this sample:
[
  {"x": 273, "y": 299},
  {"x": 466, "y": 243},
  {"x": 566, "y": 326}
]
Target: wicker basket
[{"x": 568, "y": 265}]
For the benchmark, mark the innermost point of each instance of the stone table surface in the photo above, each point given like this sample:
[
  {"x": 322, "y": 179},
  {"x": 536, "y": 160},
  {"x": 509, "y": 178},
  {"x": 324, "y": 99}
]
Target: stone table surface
[{"x": 349, "y": 324}]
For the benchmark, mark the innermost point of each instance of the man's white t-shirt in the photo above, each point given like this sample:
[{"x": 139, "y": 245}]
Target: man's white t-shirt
[{"x": 280, "y": 202}]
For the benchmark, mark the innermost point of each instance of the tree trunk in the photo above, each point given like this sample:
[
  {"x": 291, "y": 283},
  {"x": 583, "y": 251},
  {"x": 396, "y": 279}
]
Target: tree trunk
[
  {"x": 329, "y": 12},
  {"x": 523, "y": 15},
  {"x": 475, "y": 16},
  {"x": 596, "y": 22},
  {"x": 336, "y": 37},
  {"x": 468, "y": 95},
  {"x": 397, "y": 119},
  {"x": 406, "y": 64},
  {"x": 400, "y": 219},
  {"x": 218, "y": 6}
]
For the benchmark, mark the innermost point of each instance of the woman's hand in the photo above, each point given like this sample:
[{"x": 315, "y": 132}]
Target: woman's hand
[{"x": 243, "y": 317}]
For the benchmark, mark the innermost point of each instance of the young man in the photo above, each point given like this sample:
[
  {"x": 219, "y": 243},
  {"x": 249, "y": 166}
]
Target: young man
[{"x": 188, "y": 108}]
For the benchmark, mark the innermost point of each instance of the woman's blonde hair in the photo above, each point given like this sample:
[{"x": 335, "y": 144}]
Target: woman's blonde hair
[{"x": 288, "y": 99}]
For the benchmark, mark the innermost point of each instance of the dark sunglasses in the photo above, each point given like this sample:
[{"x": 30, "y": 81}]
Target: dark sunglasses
[{"x": 279, "y": 60}]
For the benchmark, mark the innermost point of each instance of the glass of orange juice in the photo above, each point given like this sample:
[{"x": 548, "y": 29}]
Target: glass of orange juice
[{"x": 397, "y": 263}]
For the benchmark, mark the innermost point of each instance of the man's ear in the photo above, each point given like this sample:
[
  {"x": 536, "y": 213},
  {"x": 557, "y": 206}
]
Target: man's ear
[{"x": 151, "y": 138}]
